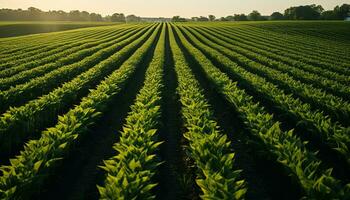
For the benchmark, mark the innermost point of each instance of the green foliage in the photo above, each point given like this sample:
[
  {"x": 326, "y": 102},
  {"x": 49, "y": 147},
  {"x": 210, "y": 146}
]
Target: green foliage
[
  {"x": 283, "y": 68},
  {"x": 290, "y": 151},
  {"x": 308, "y": 12},
  {"x": 178, "y": 19},
  {"x": 22, "y": 122},
  {"x": 255, "y": 16},
  {"x": 316, "y": 122},
  {"x": 276, "y": 16},
  {"x": 240, "y": 17},
  {"x": 118, "y": 17},
  {"x": 43, "y": 84},
  {"x": 22, "y": 70},
  {"x": 209, "y": 148},
  {"x": 16, "y": 29},
  {"x": 130, "y": 172},
  {"x": 24, "y": 174}
]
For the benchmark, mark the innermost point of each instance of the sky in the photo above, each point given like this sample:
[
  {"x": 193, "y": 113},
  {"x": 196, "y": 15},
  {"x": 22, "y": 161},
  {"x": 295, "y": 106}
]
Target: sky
[{"x": 167, "y": 8}]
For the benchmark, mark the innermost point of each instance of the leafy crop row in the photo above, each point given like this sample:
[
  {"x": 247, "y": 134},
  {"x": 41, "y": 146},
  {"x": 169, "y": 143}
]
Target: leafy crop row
[
  {"x": 41, "y": 45},
  {"x": 29, "y": 170},
  {"x": 20, "y": 123},
  {"x": 60, "y": 59},
  {"x": 208, "y": 147},
  {"x": 333, "y": 105},
  {"x": 312, "y": 54},
  {"x": 130, "y": 173},
  {"x": 307, "y": 41},
  {"x": 301, "y": 164},
  {"x": 279, "y": 54},
  {"x": 49, "y": 57},
  {"x": 41, "y": 85},
  {"x": 315, "y": 122},
  {"x": 14, "y": 59},
  {"x": 318, "y": 77}
]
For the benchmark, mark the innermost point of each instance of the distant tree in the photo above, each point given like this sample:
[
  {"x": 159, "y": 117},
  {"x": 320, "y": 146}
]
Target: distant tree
[
  {"x": 254, "y": 16},
  {"x": 107, "y": 18},
  {"x": 95, "y": 17},
  {"x": 341, "y": 12},
  {"x": 290, "y": 13},
  {"x": 34, "y": 13},
  {"x": 74, "y": 15},
  {"x": 304, "y": 12},
  {"x": 55, "y": 15},
  {"x": 203, "y": 19},
  {"x": 84, "y": 16},
  {"x": 178, "y": 19},
  {"x": 63, "y": 15},
  {"x": 34, "y": 10},
  {"x": 223, "y": 19},
  {"x": 133, "y": 18},
  {"x": 241, "y": 17},
  {"x": 118, "y": 17},
  {"x": 195, "y": 19},
  {"x": 328, "y": 15},
  {"x": 308, "y": 12},
  {"x": 211, "y": 18},
  {"x": 276, "y": 16},
  {"x": 230, "y": 18},
  {"x": 318, "y": 8}
]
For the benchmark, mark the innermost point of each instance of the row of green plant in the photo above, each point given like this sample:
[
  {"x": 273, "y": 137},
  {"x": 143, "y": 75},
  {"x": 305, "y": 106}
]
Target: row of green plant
[
  {"x": 50, "y": 57},
  {"x": 296, "y": 46},
  {"x": 305, "y": 43},
  {"x": 311, "y": 41},
  {"x": 32, "y": 167},
  {"x": 42, "y": 85},
  {"x": 21, "y": 123},
  {"x": 294, "y": 51},
  {"x": 299, "y": 47},
  {"x": 314, "y": 122},
  {"x": 62, "y": 59},
  {"x": 21, "y": 57},
  {"x": 336, "y": 32},
  {"x": 208, "y": 147},
  {"x": 301, "y": 164},
  {"x": 278, "y": 43},
  {"x": 328, "y": 30},
  {"x": 337, "y": 87},
  {"x": 278, "y": 56},
  {"x": 16, "y": 46},
  {"x": 25, "y": 47},
  {"x": 336, "y": 107},
  {"x": 10, "y": 69},
  {"x": 130, "y": 173}
]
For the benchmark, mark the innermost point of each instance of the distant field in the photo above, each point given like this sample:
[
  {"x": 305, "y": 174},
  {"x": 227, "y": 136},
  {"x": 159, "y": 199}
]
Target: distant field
[
  {"x": 253, "y": 110},
  {"x": 11, "y": 29},
  {"x": 333, "y": 30}
]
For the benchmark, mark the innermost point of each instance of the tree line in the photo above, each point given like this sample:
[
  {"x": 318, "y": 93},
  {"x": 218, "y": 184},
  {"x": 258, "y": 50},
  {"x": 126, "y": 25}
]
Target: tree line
[
  {"x": 35, "y": 14},
  {"x": 305, "y": 12}
]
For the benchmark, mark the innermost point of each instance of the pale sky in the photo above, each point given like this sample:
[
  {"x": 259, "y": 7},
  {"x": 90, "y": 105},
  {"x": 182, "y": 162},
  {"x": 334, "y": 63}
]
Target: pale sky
[{"x": 167, "y": 8}]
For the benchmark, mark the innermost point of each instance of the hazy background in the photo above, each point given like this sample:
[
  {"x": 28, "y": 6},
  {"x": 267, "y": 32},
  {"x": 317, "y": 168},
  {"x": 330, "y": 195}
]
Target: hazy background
[{"x": 167, "y": 8}]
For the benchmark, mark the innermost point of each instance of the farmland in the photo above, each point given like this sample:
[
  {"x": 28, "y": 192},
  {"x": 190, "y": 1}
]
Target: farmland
[
  {"x": 18, "y": 28},
  {"x": 224, "y": 110}
]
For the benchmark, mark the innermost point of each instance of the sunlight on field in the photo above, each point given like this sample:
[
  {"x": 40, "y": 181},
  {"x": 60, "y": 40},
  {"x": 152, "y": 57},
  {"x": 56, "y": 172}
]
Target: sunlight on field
[{"x": 127, "y": 109}]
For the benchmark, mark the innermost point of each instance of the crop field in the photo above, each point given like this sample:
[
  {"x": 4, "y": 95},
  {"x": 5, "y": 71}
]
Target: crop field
[
  {"x": 11, "y": 29},
  {"x": 254, "y": 110}
]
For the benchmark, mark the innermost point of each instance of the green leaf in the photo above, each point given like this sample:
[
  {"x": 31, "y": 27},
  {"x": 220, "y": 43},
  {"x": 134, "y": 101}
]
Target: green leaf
[{"x": 37, "y": 165}]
